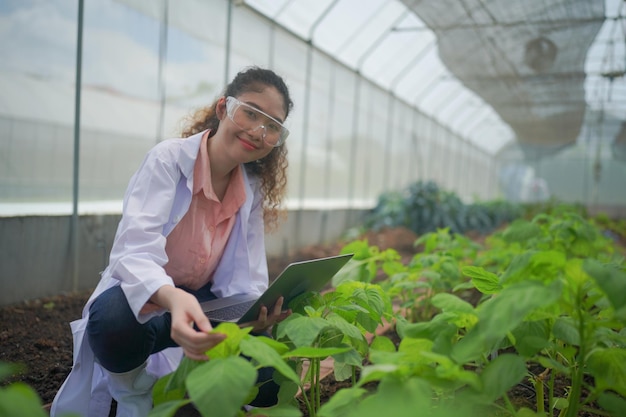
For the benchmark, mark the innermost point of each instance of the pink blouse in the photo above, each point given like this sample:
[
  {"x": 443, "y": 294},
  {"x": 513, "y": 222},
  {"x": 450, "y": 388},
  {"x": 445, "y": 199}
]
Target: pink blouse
[{"x": 197, "y": 242}]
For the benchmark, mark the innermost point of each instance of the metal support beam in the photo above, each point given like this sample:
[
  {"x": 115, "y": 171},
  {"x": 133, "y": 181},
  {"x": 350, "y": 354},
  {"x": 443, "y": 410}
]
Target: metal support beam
[{"x": 75, "y": 236}]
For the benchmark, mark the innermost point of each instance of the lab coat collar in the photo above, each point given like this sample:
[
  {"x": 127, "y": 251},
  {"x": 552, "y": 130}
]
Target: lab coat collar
[{"x": 188, "y": 154}]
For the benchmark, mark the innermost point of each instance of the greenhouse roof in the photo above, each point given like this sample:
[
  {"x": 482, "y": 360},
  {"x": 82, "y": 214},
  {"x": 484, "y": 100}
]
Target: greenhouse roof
[
  {"x": 532, "y": 75},
  {"x": 529, "y": 72}
]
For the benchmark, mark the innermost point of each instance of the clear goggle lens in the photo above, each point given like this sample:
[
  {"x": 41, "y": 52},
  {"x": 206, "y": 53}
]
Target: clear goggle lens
[{"x": 252, "y": 119}]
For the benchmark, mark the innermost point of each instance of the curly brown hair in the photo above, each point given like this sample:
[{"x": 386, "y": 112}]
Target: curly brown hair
[{"x": 272, "y": 169}]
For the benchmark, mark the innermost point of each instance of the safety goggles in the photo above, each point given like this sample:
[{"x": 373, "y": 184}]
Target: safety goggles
[{"x": 252, "y": 119}]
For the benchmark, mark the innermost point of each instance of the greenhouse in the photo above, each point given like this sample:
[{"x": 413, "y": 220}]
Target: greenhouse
[{"x": 467, "y": 156}]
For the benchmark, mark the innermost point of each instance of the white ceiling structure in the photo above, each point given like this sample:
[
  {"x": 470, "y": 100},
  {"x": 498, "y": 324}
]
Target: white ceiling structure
[
  {"x": 498, "y": 72},
  {"x": 532, "y": 75}
]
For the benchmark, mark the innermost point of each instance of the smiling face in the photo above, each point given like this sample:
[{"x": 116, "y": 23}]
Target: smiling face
[{"x": 246, "y": 145}]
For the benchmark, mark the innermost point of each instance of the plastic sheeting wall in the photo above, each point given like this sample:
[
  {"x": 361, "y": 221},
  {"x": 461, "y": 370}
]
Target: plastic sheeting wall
[{"x": 350, "y": 139}]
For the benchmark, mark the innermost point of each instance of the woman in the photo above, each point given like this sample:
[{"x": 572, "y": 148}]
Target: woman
[{"x": 192, "y": 229}]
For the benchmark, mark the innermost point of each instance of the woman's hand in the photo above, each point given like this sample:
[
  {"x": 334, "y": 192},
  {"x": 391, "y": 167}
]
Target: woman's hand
[
  {"x": 268, "y": 319},
  {"x": 186, "y": 312}
]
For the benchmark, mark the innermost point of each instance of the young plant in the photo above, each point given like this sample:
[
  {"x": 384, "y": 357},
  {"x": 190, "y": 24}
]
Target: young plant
[
  {"x": 224, "y": 384},
  {"x": 367, "y": 262},
  {"x": 581, "y": 332},
  {"x": 333, "y": 324},
  {"x": 434, "y": 270},
  {"x": 558, "y": 300}
]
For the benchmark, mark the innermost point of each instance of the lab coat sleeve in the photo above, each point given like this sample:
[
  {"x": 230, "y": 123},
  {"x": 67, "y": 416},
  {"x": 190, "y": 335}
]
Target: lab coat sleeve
[
  {"x": 256, "y": 245},
  {"x": 138, "y": 252}
]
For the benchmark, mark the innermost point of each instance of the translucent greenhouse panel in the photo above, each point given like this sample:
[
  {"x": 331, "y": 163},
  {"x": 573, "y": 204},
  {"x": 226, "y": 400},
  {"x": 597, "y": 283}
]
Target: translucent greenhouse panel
[
  {"x": 289, "y": 57},
  {"x": 361, "y": 144},
  {"x": 318, "y": 155},
  {"x": 352, "y": 27},
  {"x": 298, "y": 16},
  {"x": 401, "y": 156},
  {"x": 375, "y": 131},
  {"x": 461, "y": 166},
  {"x": 345, "y": 83},
  {"x": 37, "y": 102},
  {"x": 250, "y": 40},
  {"x": 120, "y": 121},
  {"x": 204, "y": 20},
  {"x": 393, "y": 53}
]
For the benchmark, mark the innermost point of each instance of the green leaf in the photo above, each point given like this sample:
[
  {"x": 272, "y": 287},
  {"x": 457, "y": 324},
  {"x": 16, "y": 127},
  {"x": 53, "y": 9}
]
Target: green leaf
[
  {"x": 448, "y": 372},
  {"x": 531, "y": 337},
  {"x": 20, "y": 400},
  {"x": 346, "y": 328},
  {"x": 345, "y": 363},
  {"x": 272, "y": 343},
  {"x": 301, "y": 330},
  {"x": 451, "y": 303},
  {"x": 279, "y": 410},
  {"x": 415, "y": 347},
  {"x": 354, "y": 270},
  {"x": 553, "y": 364},
  {"x": 315, "y": 352},
  {"x": 230, "y": 345},
  {"x": 167, "y": 390},
  {"x": 608, "y": 366},
  {"x": 9, "y": 369},
  {"x": 527, "y": 412},
  {"x": 500, "y": 315},
  {"x": 220, "y": 386},
  {"x": 172, "y": 386},
  {"x": 560, "y": 403},
  {"x": 439, "y": 330},
  {"x": 341, "y": 402},
  {"x": 360, "y": 249},
  {"x": 521, "y": 231},
  {"x": 501, "y": 374},
  {"x": 382, "y": 343},
  {"x": 168, "y": 409},
  {"x": 565, "y": 329},
  {"x": 395, "y": 397},
  {"x": 267, "y": 357},
  {"x": 610, "y": 279},
  {"x": 612, "y": 403},
  {"x": 485, "y": 281},
  {"x": 377, "y": 372}
]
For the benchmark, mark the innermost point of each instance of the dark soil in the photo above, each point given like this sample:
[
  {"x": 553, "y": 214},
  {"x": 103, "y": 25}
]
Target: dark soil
[{"x": 36, "y": 333}]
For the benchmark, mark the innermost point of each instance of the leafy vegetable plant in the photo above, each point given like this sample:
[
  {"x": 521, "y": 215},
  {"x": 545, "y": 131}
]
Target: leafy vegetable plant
[
  {"x": 553, "y": 306},
  {"x": 333, "y": 324},
  {"x": 224, "y": 384}
]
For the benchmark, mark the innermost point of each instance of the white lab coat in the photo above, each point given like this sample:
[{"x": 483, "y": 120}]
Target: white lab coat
[{"x": 157, "y": 198}]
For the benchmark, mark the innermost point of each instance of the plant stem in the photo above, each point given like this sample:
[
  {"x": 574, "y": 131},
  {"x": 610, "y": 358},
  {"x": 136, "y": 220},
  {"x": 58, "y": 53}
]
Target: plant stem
[
  {"x": 551, "y": 390},
  {"x": 538, "y": 383},
  {"x": 592, "y": 410},
  {"x": 318, "y": 372},
  {"x": 577, "y": 380},
  {"x": 305, "y": 398},
  {"x": 509, "y": 405},
  {"x": 313, "y": 388}
]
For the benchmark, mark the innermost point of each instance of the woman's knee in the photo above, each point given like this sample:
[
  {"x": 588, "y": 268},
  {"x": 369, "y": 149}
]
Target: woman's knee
[{"x": 116, "y": 337}]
